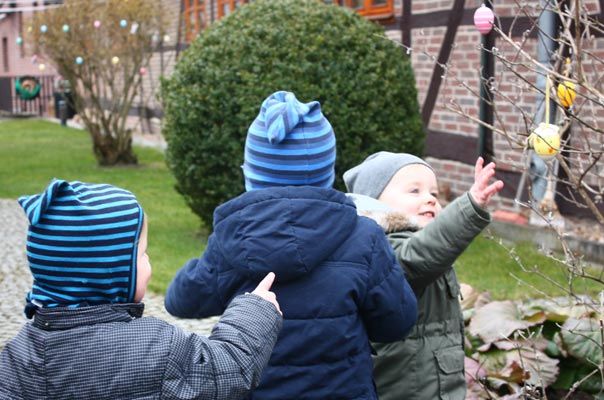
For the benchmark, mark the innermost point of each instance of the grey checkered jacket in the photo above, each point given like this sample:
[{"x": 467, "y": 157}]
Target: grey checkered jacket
[{"x": 110, "y": 352}]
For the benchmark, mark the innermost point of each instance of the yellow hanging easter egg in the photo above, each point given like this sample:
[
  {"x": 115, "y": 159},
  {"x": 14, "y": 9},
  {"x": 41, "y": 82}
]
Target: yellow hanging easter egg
[
  {"x": 566, "y": 93},
  {"x": 115, "y": 60},
  {"x": 545, "y": 140}
]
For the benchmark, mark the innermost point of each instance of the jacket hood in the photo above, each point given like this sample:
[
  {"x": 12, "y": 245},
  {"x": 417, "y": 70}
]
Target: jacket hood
[{"x": 287, "y": 230}]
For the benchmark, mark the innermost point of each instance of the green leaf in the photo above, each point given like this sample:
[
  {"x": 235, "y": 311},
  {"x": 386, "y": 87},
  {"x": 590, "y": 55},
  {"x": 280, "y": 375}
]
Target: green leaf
[
  {"x": 582, "y": 339},
  {"x": 498, "y": 320}
]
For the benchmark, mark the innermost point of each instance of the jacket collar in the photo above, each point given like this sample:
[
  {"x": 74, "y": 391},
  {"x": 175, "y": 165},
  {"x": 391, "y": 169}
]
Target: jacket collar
[
  {"x": 59, "y": 318},
  {"x": 391, "y": 221}
]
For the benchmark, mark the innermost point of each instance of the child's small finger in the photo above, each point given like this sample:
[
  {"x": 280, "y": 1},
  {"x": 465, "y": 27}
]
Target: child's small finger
[{"x": 267, "y": 282}]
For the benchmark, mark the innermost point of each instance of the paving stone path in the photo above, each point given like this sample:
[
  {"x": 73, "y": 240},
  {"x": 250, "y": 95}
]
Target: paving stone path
[{"x": 16, "y": 280}]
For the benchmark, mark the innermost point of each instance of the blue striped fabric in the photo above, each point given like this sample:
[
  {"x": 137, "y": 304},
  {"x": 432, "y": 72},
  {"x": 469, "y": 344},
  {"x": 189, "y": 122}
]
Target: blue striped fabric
[
  {"x": 82, "y": 244},
  {"x": 289, "y": 143}
]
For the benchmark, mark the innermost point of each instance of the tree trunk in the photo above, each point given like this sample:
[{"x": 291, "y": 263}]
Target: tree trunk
[{"x": 112, "y": 150}]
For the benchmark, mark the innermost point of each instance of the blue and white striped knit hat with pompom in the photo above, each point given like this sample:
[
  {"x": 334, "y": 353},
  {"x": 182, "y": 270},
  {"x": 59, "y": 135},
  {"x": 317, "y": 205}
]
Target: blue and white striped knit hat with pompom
[
  {"x": 81, "y": 244},
  {"x": 289, "y": 144}
]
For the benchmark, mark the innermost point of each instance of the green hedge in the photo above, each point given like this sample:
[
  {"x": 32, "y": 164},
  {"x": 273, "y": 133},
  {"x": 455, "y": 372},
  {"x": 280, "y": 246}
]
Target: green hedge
[{"x": 364, "y": 82}]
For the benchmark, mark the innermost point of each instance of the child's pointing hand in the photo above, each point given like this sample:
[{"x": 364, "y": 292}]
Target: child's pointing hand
[{"x": 263, "y": 290}]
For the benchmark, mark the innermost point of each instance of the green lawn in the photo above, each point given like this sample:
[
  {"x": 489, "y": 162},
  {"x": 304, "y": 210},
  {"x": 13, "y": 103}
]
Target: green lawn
[
  {"x": 32, "y": 152},
  {"x": 488, "y": 265}
]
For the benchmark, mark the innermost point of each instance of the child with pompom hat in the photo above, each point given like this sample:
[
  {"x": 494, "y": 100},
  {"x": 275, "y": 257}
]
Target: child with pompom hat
[{"x": 337, "y": 279}]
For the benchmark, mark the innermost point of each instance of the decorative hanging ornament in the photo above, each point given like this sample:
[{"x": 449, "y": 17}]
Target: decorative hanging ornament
[
  {"x": 43, "y": 28},
  {"x": 545, "y": 140},
  {"x": 65, "y": 28},
  {"x": 42, "y": 67},
  {"x": 123, "y": 23},
  {"x": 29, "y": 29},
  {"x": 34, "y": 59},
  {"x": 97, "y": 24},
  {"x": 166, "y": 38},
  {"x": 142, "y": 70},
  {"x": 483, "y": 19},
  {"x": 19, "y": 40},
  {"x": 566, "y": 93},
  {"x": 133, "y": 28},
  {"x": 79, "y": 60},
  {"x": 115, "y": 60}
]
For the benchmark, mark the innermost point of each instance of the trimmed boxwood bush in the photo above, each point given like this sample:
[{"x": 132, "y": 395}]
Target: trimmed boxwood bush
[{"x": 363, "y": 80}]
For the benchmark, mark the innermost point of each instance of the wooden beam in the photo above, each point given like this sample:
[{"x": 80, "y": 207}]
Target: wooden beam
[{"x": 453, "y": 23}]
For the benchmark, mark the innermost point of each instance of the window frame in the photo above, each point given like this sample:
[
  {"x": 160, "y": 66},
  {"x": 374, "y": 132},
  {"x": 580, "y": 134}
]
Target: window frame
[
  {"x": 232, "y": 4},
  {"x": 372, "y": 11},
  {"x": 188, "y": 9}
]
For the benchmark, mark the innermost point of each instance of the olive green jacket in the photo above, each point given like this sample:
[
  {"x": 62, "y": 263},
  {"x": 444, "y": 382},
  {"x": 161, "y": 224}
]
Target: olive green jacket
[{"x": 429, "y": 364}]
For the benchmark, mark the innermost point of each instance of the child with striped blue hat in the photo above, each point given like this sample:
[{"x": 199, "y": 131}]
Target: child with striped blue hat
[
  {"x": 337, "y": 279},
  {"x": 87, "y": 252}
]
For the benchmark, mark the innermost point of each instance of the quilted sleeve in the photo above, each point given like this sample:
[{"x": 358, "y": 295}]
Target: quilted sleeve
[
  {"x": 229, "y": 363},
  {"x": 194, "y": 291}
]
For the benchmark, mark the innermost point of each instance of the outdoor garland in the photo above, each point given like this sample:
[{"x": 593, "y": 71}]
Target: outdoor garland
[{"x": 28, "y": 87}]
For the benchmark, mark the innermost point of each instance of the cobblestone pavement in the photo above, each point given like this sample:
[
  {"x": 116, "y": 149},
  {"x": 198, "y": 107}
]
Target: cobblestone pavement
[{"x": 15, "y": 280}]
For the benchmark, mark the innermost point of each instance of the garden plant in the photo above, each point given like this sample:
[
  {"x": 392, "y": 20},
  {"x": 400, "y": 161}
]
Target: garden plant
[
  {"x": 363, "y": 81},
  {"x": 102, "y": 50}
]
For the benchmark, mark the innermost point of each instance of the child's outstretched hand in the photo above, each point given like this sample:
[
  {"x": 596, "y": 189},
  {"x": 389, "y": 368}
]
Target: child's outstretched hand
[
  {"x": 264, "y": 290},
  {"x": 481, "y": 191}
]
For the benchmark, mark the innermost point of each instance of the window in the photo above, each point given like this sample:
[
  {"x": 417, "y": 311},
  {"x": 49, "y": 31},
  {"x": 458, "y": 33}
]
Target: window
[
  {"x": 226, "y": 6},
  {"x": 196, "y": 17},
  {"x": 374, "y": 9}
]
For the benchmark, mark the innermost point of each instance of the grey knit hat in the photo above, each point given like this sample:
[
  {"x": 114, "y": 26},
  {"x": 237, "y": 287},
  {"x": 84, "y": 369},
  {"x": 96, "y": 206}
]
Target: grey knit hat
[{"x": 373, "y": 175}]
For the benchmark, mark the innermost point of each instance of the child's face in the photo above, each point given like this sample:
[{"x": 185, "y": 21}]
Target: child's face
[
  {"x": 143, "y": 265},
  {"x": 413, "y": 191}
]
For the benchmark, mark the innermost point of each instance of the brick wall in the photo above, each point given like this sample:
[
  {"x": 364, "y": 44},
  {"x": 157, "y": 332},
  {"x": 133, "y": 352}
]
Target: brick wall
[{"x": 515, "y": 113}]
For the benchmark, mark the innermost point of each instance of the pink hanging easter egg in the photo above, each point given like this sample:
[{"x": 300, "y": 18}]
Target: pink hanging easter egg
[{"x": 483, "y": 19}]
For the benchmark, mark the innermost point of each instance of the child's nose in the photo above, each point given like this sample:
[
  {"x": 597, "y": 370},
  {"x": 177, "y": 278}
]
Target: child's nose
[{"x": 431, "y": 198}]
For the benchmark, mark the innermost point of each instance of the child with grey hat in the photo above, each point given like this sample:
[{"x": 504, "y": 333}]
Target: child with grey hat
[
  {"x": 87, "y": 252},
  {"x": 400, "y": 191}
]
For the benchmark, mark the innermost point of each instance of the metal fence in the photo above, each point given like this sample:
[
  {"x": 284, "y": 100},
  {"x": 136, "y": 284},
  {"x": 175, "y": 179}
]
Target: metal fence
[{"x": 11, "y": 103}]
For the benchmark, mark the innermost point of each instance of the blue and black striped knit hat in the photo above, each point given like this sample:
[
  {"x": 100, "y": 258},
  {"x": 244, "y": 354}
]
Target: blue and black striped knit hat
[
  {"x": 289, "y": 143},
  {"x": 81, "y": 245}
]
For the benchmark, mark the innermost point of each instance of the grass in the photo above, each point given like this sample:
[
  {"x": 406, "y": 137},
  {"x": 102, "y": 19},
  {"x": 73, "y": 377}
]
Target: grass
[
  {"x": 489, "y": 264},
  {"x": 33, "y": 152}
]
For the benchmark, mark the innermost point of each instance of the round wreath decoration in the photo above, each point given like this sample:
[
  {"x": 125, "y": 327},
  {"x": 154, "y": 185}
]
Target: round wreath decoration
[{"x": 28, "y": 87}]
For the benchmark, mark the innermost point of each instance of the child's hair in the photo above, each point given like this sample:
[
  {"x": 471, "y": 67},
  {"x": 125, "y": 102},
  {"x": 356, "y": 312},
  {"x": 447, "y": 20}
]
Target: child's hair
[
  {"x": 289, "y": 143},
  {"x": 371, "y": 177},
  {"x": 81, "y": 244}
]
